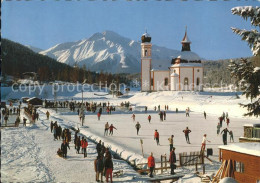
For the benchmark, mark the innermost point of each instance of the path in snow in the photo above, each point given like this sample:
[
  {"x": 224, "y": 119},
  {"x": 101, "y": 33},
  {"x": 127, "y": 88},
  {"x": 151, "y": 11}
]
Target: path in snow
[{"x": 29, "y": 155}]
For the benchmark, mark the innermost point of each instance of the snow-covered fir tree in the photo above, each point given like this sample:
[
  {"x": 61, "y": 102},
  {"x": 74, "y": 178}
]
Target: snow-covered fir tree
[{"x": 247, "y": 73}]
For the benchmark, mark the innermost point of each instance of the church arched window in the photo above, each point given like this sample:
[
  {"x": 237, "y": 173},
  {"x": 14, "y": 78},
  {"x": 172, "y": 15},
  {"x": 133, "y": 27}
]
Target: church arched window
[
  {"x": 145, "y": 52},
  {"x": 186, "y": 81},
  {"x": 151, "y": 81},
  {"x": 198, "y": 81},
  {"x": 166, "y": 81}
]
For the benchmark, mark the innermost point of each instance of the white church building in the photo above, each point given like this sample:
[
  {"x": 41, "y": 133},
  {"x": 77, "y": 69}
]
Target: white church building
[{"x": 184, "y": 73}]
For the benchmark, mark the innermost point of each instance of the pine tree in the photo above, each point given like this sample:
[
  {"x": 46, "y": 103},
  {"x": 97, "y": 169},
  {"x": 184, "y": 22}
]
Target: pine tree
[{"x": 245, "y": 72}]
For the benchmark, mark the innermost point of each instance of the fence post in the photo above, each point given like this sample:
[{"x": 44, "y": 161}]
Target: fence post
[
  {"x": 161, "y": 164},
  {"x": 180, "y": 159},
  {"x": 165, "y": 162}
]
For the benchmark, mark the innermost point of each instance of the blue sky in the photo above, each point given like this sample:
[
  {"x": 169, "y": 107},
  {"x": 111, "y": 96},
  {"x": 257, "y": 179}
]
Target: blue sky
[{"x": 45, "y": 23}]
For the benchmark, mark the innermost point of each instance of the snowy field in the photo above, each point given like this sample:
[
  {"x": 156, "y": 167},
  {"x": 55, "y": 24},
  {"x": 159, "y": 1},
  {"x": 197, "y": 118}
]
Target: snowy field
[{"x": 29, "y": 154}]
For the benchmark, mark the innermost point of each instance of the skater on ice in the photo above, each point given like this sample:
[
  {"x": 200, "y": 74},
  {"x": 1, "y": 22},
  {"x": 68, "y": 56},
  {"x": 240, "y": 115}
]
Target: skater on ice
[
  {"x": 133, "y": 116},
  {"x": 224, "y": 136},
  {"x": 231, "y": 136},
  {"x": 203, "y": 145},
  {"x": 156, "y": 137},
  {"x": 218, "y": 128},
  {"x": 149, "y": 118},
  {"x": 228, "y": 121},
  {"x": 111, "y": 129},
  {"x": 137, "y": 126},
  {"x": 186, "y": 133},
  {"x": 106, "y": 129},
  {"x": 171, "y": 142}
]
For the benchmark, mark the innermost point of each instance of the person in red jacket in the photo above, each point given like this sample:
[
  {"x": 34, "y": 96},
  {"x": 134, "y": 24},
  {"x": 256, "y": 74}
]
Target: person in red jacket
[
  {"x": 172, "y": 160},
  {"x": 111, "y": 129},
  {"x": 186, "y": 132},
  {"x": 228, "y": 121},
  {"x": 156, "y": 137},
  {"x": 84, "y": 145},
  {"x": 98, "y": 115},
  {"x": 149, "y": 118},
  {"x": 151, "y": 164}
]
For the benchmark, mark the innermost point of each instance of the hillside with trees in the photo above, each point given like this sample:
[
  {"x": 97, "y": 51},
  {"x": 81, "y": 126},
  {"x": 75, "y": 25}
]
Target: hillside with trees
[{"x": 18, "y": 59}]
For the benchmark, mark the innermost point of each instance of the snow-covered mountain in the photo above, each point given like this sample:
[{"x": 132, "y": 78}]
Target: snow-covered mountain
[{"x": 108, "y": 51}]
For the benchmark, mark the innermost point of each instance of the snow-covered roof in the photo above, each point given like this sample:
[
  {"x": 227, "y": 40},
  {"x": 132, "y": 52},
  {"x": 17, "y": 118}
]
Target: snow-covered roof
[
  {"x": 253, "y": 125},
  {"x": 32, "y": 99},
  {"x": 188, "y": 55},
  {"x": 187, "y": 65},
  {"x": 245, "y": 148},
  {"x": 162, "y": 64}
]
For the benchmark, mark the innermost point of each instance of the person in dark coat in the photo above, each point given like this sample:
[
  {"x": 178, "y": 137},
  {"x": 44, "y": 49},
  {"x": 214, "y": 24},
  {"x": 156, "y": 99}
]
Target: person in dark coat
[
  {"x": 24, "y": 121},
  {"x": 78, "y": 144},
  {"x": 205, "y": 115},
  {"x": 172, "y": 160},
  {"x": 51, "y": 126},
  {"x": 137, "y": 126},
  {"x": 63, "y": 148},
  {"x": 164, "y": 115},
  {"x": 224, "y": 136},
  {"x": 98, "y": 147},
  {"x": 108, "y": 164},
  {"x": 100, "y": 168}
]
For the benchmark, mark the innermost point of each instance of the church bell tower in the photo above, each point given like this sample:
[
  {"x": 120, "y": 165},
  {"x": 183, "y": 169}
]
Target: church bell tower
[{"x": 146, "y": 59}]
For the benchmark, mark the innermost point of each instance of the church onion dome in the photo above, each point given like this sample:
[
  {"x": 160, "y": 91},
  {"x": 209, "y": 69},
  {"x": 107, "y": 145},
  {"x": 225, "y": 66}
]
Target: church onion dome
[
  {"x": 185, "y": 42},
  {"x": 185, "y": 39},
  {"x": 146, "y": 38}
]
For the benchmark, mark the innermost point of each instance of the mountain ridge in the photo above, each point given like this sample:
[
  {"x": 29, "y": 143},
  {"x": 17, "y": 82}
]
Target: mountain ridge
[{"x": 108, "y": 52}]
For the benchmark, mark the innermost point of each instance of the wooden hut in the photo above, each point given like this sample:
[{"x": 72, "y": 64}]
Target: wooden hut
[{"x": 240, "y": 161}]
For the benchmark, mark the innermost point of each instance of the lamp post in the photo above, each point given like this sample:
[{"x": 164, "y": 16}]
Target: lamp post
[{"x": 82, "y": 104}]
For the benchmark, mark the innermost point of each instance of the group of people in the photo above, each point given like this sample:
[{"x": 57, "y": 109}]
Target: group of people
[
  {"x": 162, "y": 115},
  {"x": 103, "y": 164},
  {"x": 172, "y": 161},
  {"x": 225, "y": 131},
  {"x": 110, "y": 128}
]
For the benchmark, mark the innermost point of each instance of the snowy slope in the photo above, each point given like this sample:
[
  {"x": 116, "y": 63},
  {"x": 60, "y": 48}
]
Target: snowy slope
[{"x": 108, "y": 51}]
